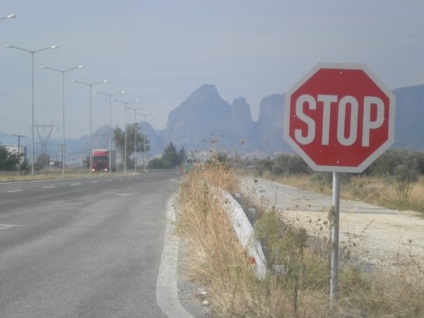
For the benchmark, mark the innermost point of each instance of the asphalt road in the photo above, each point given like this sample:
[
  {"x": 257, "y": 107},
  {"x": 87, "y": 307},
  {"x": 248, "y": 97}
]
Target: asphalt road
[{"x": 87, "y": 247}]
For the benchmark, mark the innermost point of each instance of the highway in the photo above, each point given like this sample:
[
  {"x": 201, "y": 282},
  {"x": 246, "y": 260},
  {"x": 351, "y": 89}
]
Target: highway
[{"x": 83, "y": 247}]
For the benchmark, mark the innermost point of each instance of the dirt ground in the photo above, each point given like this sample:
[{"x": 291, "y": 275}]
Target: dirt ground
[{"x": 374, "y": 236}]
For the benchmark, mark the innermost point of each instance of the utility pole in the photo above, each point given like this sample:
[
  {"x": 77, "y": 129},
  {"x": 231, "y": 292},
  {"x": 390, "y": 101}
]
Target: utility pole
[{"x": 19, "y": 147}]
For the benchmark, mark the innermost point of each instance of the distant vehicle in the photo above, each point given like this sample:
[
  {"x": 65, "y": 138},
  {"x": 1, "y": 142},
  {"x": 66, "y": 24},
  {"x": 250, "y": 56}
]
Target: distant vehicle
[{"x": 101, "y": 160}]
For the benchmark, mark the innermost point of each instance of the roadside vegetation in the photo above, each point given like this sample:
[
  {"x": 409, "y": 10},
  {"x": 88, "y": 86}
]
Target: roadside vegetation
[
  {"x": 44, "y": 174},
  {"x": 297, "y": 280},
  {"x": 11, "y": 161},
  {"x": 170, "y": 158},
  {"x": 130, "y": 141},
  {"x": 395, "y": 180}
]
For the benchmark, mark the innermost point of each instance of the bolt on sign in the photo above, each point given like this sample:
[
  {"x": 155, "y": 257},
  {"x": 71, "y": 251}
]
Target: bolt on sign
[{"x": 339, "y": 117}]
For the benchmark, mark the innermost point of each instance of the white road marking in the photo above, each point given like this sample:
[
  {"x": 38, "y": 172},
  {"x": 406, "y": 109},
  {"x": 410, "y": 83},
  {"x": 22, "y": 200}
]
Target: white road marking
[
  {"x": 7, "y": 226},
  {"x": 16, "y": 190},
  {"x": 94, "y": 181},
  {"x": 75, "y": 184},
  {"x": 48, "y": 187}
]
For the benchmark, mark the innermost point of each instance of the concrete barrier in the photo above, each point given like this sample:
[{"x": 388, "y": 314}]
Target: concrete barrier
[{"x": 245, "y": 233}]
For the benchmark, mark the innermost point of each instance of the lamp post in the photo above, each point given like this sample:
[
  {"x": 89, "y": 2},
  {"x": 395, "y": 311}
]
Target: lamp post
[
  {"x": 9, "y": 16},
  {"x": 63, "y": 106},
  {"x": 144, "y": 138},
  {"x": 126, "y": 123},
  {"x": 90, "y": 86},
  {"x": 135, "y": 134},
  {"x": 32, "y": 90},
  {"x": 110, "y": 122}
]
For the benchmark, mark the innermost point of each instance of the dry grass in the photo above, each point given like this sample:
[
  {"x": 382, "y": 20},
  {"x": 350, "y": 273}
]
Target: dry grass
[
  {"x": 42, "y": 175},
  {"x": 56, "y": 174},
  {"x": 220, "y": 264},
  {"x": 216, "y": 258},
  {"x": 378, "y": 191}
]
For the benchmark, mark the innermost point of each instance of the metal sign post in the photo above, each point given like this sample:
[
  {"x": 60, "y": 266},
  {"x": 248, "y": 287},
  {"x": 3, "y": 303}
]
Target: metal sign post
[{"x": 334, "y": 230}]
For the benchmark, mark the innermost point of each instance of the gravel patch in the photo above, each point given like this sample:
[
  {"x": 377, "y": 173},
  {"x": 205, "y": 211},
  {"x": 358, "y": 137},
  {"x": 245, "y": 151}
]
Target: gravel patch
[{"x": 373, "y": 235}]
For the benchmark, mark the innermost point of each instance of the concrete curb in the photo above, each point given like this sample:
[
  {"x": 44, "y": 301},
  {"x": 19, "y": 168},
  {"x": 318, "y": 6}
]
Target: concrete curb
[
  {"x": 245, "y": 233},
  {"x": 166, "y": 284}
]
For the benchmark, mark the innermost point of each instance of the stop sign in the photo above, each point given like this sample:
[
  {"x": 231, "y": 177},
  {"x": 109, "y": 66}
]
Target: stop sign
[{"x": 339, "y": 117}]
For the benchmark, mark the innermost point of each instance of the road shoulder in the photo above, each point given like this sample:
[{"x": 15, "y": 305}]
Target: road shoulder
[
  {"x": 175, "y": 294},
  {"x": 375, "y": 235}
]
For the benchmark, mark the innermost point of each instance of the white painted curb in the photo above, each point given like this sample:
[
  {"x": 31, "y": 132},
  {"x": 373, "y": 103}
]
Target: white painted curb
[
  {"x": 166, "y": 284},
  {"x": 245, "y": 233}
]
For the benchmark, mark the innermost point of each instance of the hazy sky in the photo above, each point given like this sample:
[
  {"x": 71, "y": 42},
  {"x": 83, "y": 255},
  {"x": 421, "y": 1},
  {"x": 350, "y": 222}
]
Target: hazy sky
[{"x": 161, "y": 51}]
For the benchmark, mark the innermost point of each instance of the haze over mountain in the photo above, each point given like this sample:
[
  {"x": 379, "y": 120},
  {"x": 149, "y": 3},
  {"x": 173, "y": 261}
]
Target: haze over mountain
[
  {"x": 205, "y": 117},
  {"x": 205, "y": 121}
]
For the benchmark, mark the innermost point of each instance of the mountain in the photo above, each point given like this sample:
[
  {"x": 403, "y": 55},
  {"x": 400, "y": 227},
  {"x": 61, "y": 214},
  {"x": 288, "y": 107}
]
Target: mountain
[
  {"x": 268, "y": 134},
  {"x": 409, "y": 131},
  {"x": 204, "y": 121},
  {"x": 152, "y": 136},
  {"x": 205, "y": 118}
]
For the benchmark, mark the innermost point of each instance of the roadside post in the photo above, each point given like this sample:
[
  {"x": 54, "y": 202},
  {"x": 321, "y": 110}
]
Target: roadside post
[{"x": 339, "y": 118}]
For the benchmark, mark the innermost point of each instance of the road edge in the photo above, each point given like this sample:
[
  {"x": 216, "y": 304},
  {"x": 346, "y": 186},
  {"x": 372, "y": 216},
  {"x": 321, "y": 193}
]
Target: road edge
[{"x": 166, "y": 284}]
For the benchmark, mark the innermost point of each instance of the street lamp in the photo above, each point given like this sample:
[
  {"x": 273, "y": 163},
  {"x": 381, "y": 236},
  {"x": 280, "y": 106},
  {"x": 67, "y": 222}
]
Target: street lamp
[
  {"x": 144, "y": 137},
  {"x": 135, "y": 134},
  {"x": 90, "y": 86},
  {"x": 9, "y": 16},
  {"x": 63, "y": 106},
  {"x": 110, "y": 122},
  {"x": 32, "y": 90},
  {"x": 126, "y": 123}
]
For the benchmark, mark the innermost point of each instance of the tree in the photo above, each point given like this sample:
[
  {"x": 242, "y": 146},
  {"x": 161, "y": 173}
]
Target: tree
[
  {"x": 43, "y": 160},
  {"x": 156, "y": 163},
  {"x": 169, "y": 159},
  {"x": 134, "y": 138},
  {"x": 182, "y": 155},
  {"x": 8, "y": 161},
  {"x": 170, "y": 156},
  {"x": 86, "y": 162}
]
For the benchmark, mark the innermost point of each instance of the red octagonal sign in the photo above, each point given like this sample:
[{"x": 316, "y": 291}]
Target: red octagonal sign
[{"x": 339, "y": 117}]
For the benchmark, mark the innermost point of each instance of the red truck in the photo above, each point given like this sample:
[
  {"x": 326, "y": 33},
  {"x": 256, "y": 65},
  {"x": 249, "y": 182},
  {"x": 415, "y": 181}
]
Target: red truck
[{"x": 102, "y": 161}]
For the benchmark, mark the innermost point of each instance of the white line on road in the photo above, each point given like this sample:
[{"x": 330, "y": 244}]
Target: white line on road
[
  {"x": 7, "y": 226},
  {"x": 48, "y": 187},
  {"x": 75, "y": 184},
  {"x": 95, "y": 181},
  {"x": 16, "y": 190}
]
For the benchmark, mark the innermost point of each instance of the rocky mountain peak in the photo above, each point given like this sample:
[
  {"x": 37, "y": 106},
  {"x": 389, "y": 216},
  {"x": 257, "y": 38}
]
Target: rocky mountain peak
[{"x": 205, "y": 92}]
